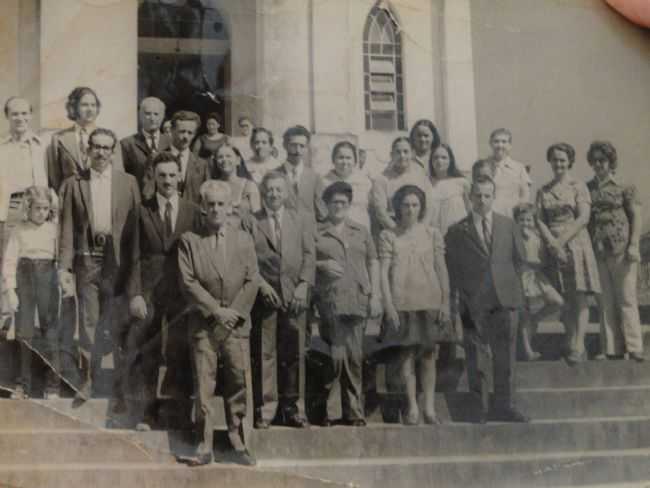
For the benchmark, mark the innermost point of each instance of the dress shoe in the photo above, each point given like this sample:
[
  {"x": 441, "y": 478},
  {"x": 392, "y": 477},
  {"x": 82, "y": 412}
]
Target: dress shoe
[
  {"x": 355, "y": 422},
  {"x": 637, "y": 356},
  {"x": 51, "y": 394},
  {"x": 19, "y": 393},
  {"x": 296, "y": 421},
  {"x": 243, "y": 458},
  {"x": 262, "y": 424},
  {"x": 198, "y": 459},
  {"x": 600, "y": 357},
  {"x": 574, "y": 358},
  {"x": 327, "y": 422},
  {"x": 143, "y": 427},
  {"x": 83, "y": 394},
  {"x": 508, "y": 415}
]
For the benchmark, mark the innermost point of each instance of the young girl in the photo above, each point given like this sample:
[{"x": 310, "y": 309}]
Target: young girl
[
  {"x": 30, "y": 284},
  {"x": 542, "y": 299}
]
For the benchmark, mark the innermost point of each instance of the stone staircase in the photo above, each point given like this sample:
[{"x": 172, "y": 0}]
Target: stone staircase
[{"x": 591, "y": 427}]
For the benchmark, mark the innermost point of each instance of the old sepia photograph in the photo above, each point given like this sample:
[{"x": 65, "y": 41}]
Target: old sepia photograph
[{"x": 324, "y": 243}]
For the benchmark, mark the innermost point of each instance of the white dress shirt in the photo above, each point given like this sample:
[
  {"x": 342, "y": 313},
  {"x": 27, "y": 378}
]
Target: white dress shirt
[
  {"x": 290, "y": 171},
  {"x": 152, "y": 139},
  {"x": 512, "y": 184},
  {"x": 271, "y": 214},
  {"x": 22, "y": 164},
  {"x": 100, "y": 194},
  {"x": 184, "y": 157},
  {"x": 162, "y": 204}
]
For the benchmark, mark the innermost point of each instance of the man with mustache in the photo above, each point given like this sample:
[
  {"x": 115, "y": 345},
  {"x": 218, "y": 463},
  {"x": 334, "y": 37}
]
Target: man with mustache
[
  {"x": 194, "y": 170},
  {"x": 93, "y": 220},
  {"x": 155, "y": 227}
]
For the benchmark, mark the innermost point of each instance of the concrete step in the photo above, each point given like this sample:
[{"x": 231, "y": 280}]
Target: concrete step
[
  {"x": 538, "y": 404},
  {"x": 484, "y": 471},
  {"x": 31, "y": 416},
  {"x": 152, "y": 475},
  {"x": 380, "y": 440},
  {"x": 71, "y": 447}
]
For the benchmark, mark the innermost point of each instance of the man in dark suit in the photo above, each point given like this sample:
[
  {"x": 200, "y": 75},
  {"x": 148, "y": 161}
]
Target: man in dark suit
[
  {"x": 194, "y": 170},
  {"x": 155, "y": 227},
  {"x": 219, "y": 276},
  {"x": 302, "y": 180},
  {"x": 139, "y": 148},
  {"x": 93, "y": 219},
  {"x": 284, "y": 242},
  {"x": 486, "y": 291},
  {"x": 68, "y": 153}
]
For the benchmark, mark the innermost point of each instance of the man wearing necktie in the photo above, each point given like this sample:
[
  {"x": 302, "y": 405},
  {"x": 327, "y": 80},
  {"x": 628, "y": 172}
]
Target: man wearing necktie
[
  {"x": 69, "y": 151},
  {"x": 303, "y": 180},
  {"x": 93, "y": 233},
  {"x": 219, "y": 276},
  {"x": 138, "y": 149},
  {"x": 284, "y": 243},
  {"x": 155, "y": 227},
  {"x": 194, "y": 170},
  {"x": 486, "y": 293}
]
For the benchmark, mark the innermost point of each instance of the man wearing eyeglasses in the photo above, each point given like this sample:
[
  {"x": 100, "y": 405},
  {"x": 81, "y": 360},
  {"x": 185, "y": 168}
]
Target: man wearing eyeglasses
[{"x": 94, "y": 213}]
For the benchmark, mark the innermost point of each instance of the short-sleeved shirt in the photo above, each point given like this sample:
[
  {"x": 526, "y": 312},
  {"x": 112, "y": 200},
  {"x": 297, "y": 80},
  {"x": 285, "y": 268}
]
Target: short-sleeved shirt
[
  {"x": 414, "y": 283},
  {"x": 609, "y": 225},
  {"x": 353, "y": 249},
  {"x": 512, "y": 186}
]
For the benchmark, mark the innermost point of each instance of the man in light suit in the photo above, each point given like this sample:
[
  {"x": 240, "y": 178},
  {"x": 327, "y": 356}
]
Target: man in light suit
[
  {"x": 303, "y": 181},
  {"x": 155, "y": 227},
  {"x": 219, "y": 276},
  {"x": 93, "y": 219},
  {"x": 68, "y": 153},
  {"x": 194, "y": 170},
  {"x": 139, "y": 148},
  {"x": 284, "y": 243},
  {"x": 486, "y": 291}
]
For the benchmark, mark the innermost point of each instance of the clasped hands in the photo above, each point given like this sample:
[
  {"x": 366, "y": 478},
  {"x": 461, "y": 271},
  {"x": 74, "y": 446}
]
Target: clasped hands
[{"x": 298, "y": 303}]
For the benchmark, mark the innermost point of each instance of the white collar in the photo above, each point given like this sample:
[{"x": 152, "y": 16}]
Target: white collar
[
  {"x": 88, "y": 129},
  {"x": 478, "y": 218},
  {"x": 28, "y": 137},
  {"x": 96, "y": 175},
  {"x": 162, "y": 201},
  {"x": 149, "y": 135},
  {"x": 177, "y": 151},
  {"x": 270, "y": 213},
  {"x": 290, "y": 168}
]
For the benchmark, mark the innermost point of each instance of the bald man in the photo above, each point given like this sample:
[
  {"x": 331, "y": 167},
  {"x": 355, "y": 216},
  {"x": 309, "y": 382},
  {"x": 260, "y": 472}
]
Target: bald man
[
  {"x": 22, "y": 161},
  {"x": 138, "y": 149}
]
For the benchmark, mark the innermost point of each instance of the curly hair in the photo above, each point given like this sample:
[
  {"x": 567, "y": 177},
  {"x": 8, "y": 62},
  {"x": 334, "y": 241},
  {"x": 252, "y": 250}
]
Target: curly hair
[
  {"x": 607, "y": 149},
  {"x": 74, "y": 98},
  {"x": 338, "y": 188},
  {"x": 429, "y": 125},
  {"x": 562, "y": 147},
  {"x": 402, "y": 193}
]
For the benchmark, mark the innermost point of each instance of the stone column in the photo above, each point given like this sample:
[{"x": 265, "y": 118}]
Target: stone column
[
  {"x": 458, "y": 82},
  {"x": 284, "y": 64},
  {"x": 90, "y": 43}
]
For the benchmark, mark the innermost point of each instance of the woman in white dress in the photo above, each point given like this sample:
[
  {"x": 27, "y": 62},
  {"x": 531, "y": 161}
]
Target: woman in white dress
[{"x": 450, "y": 189}]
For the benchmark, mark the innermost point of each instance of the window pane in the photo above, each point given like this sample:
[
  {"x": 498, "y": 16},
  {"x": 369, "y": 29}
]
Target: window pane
[
  {"x": 383, "y": 121},
  {"x": 375, "y": 33},
  {"x": 375, "y": 48},
  {"x": 387, "y": 49},
  {"x": 383, "y": 101},
  {"x": 389, "y": 35},
  {"x": 382, "y": 83},
  {"x": 382, "y": 66}
]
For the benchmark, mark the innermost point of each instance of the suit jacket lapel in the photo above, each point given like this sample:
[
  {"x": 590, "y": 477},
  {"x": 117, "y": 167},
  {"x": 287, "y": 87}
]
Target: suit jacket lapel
[
  {"x": 154, "y": 216},
  {"x": 478, "y": 242},
  {"x": 69, "y": 142},
  {"x": 288, "y": 229},
  {"x": 84, "y": 189},
  {"x": 265, "y": 227},
  {"x": 184, "y": 218},
  {"x": 141, "y": 143}
]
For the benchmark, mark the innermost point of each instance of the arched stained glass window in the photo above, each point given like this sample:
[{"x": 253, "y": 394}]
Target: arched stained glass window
[{"x": 382, "y": 71}]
